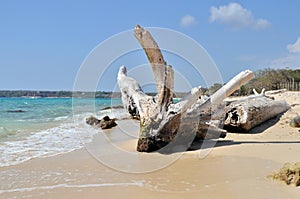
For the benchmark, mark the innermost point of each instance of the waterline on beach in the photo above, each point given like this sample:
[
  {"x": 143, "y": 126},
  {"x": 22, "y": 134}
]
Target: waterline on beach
[
  {"x": 26, "y": 189},
  {"x": 46, "y": 127}
]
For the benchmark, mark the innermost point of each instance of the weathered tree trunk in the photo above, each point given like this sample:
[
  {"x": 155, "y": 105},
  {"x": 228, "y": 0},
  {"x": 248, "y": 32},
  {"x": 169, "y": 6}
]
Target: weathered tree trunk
[
  {"x": 163, "y": 74},
  {"x": 163, "y": 123},
  {"x": 243, "y": 115},
  {"x": 161, "y": 120}
]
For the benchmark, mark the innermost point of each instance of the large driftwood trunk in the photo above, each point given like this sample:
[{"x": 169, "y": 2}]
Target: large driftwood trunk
[
  {"x": 163, "y": 125},
  {"x": 243, "y": 115}
]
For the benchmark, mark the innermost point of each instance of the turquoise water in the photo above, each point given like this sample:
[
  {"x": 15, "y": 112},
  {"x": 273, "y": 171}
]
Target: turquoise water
[{"x": 47, "y": 126}]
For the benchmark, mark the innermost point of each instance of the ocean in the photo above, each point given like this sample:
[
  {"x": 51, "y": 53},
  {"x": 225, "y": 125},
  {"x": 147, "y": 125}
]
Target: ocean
[{"x": 42, "y": 127}]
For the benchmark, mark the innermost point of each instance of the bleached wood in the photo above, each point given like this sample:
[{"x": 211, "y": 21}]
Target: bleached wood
[
  {"x": 243, "y": 115},
  {"x": 272, "y": 92},
  {"x": 226, "y": 90},
  {"x": 163, "y": 74},
  {"x": 233, "y": 85},
  {"x": 165, "y": 125},
  {"x": 161, "y": 120}
]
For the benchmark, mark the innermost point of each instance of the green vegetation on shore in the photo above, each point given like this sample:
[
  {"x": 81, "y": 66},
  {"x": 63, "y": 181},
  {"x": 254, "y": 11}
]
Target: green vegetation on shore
[{"x": 272, "y": 79}]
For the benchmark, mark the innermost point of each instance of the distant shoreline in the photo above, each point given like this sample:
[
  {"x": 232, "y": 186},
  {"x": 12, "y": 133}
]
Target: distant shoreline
[
  {"x": 58, "y": 94},
  {"x": 67, "y": 94}
]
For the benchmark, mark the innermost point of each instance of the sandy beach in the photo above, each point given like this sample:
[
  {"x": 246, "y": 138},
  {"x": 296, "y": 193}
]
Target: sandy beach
[{"x": 236, "y": 167}]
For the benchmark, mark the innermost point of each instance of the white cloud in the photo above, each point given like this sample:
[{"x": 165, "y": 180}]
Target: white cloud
[
  {"x": 295, "y": 47},
  {"x": 292, "y": 59},
  {"x": 237, "y": 17},
  {"x": 187, "y": 21},
  {"x": 262, "y": 24}
]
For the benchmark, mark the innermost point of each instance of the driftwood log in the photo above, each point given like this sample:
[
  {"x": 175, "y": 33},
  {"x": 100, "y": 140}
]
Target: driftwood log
[
  {"x": 163, "y": 124},
  {"x": 243, "y": 115},
  {"x": 161, "y": 120}
]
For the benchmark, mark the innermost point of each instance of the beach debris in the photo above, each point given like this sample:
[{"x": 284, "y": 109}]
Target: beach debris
[
  {"x": 107, "y": 123},
  {"x": 243, "y": 115},
  {"x": 104, "y": 123},
  {"x": 295, "y": 122},
  {"x": 164, "y": 124},
  {"x": 289, "y": 173},
  {"x": 93, "y": 121},
  {"x": 161, "y": 120},
  {"x": 272, "y": 92}
]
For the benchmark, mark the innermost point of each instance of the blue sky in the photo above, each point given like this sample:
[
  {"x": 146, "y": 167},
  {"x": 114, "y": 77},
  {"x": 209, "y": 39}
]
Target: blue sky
[{"x": 43, "y": 43}]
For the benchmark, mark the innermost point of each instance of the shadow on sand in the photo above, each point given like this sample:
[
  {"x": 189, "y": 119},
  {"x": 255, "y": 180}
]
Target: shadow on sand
[
  {"x": 200, "y": 144},
  {"x": 197, "y": 145},
  {"x": 224, "y": 143}
]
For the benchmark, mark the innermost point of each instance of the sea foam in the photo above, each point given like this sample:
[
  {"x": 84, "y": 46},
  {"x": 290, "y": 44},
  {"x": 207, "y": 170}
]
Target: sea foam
[
  {"x": 48, "y": 127},
  {"x": 52, "y": 141}
]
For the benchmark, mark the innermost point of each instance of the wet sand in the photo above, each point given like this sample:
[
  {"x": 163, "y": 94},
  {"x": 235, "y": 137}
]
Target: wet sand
[{"x": 109, "y": 167}]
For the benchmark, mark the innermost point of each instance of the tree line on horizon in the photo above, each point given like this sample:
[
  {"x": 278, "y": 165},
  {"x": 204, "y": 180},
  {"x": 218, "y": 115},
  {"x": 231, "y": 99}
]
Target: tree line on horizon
[{"x": 270, "y": 79}]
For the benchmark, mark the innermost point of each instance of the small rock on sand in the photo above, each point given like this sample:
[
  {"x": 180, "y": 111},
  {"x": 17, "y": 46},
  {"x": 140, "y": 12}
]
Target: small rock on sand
[
  {"x": 107, "y": 123},
  {"x": 104, "y": 123},
  {"x": 295, "y": 122}
]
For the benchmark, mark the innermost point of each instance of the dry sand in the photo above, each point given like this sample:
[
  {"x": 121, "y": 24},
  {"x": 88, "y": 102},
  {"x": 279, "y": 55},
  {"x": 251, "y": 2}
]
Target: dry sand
[{"x": 236, "y": 167}]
